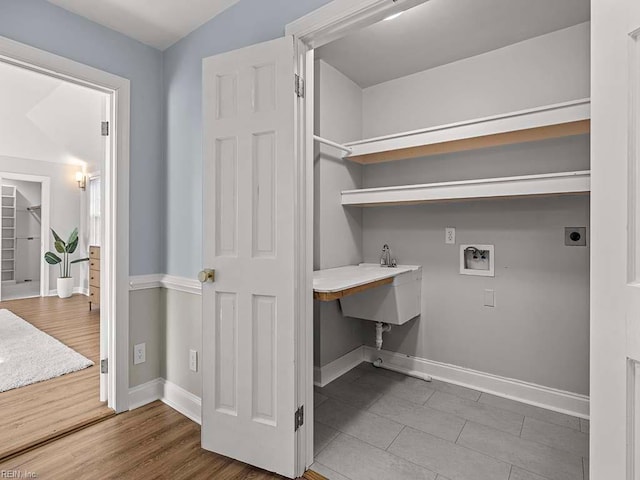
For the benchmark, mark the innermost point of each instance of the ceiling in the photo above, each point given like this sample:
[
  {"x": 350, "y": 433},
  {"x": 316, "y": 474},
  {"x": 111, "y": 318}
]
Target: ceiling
[
  {"x": 158, "y": 23},
  {"x": 443, "y": 31},
  {"x": 49, "y": 119}
]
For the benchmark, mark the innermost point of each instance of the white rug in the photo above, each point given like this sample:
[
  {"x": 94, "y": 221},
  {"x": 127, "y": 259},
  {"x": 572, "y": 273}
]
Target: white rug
[{"x": 28, "y": 355}]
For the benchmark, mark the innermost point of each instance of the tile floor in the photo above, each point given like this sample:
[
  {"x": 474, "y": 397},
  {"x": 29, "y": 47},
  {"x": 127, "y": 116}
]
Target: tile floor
[{"x": 373, "y": 424}]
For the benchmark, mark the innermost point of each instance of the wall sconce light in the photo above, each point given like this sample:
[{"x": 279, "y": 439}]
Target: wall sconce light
[{"x": 82, "y": 180}]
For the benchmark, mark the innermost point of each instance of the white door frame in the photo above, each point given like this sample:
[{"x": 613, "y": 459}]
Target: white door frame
[
  {"x": 326, "y": 24},
  {"x": 115, "y": 249},
  {"x": 45, "y": 219}
]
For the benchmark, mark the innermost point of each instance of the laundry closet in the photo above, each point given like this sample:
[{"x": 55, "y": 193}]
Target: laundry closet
[{"x": 468, "y": 156}]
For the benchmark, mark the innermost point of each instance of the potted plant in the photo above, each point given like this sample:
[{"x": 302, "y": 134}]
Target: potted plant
[{"x": 65, "y": 280}]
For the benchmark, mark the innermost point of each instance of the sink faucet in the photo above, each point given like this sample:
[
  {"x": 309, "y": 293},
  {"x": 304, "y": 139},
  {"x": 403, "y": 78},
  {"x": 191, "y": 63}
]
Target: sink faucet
[{"x": 385, "y": 259}]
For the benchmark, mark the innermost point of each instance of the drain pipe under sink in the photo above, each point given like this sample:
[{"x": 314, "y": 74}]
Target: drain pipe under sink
[{"x": 378, "y": 363}]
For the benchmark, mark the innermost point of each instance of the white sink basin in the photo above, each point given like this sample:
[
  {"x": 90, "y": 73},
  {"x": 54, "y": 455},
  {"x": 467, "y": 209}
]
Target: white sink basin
[
  {"x": 394, "y": 303},
  {"x": 342, "y": 278}
]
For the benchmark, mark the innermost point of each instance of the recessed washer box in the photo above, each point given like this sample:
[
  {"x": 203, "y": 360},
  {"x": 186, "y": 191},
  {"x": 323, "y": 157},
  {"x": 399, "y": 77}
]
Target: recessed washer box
[
  {"x": 395, "y": 303},
  {"x": 477, "y": 260}
]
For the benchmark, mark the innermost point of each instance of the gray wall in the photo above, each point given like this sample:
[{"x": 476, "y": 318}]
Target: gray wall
[
  {"x": 539, "y": 330},
  {"x": 337, "y": 230},
  {"x": 146, "y": 307},
  {"x": 182, "y": 331}
]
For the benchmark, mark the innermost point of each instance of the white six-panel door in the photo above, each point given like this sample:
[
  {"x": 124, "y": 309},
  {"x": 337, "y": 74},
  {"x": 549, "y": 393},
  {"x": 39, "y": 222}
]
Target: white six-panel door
[
  {"x": 615, "y": 240},
  {"x": 249, "y": 396}
]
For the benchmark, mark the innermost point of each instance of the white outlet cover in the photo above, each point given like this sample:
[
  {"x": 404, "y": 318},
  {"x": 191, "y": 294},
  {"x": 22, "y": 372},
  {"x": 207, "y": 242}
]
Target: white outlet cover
[
  {"x": 139, "y": 353},
  {"x": 450, "y": 236}
]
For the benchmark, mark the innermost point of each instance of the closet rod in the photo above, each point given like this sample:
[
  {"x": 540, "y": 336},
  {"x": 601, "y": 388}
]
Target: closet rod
[{"x": 333, "y": 144}]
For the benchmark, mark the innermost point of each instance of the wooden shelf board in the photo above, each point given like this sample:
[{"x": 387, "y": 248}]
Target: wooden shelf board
[
  {"x": 580, "y": 127},
  {"x": 544, "y": 185},
  {"x": 535, "y": 124},
  {"x": 330, "y": 296}
]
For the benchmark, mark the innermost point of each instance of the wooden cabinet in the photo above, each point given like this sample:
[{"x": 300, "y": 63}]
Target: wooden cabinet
[{"x": 94, "y": 276}]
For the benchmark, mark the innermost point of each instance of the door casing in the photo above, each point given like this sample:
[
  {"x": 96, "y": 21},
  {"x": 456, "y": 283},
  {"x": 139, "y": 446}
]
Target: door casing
[
  {"x": 115, "y": 190},
  {"x": 326, "y": 24}
]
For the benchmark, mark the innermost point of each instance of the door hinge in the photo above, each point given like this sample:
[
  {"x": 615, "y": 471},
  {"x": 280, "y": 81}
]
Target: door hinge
[
  {"x": 299, "y": 418},
  {"x": 105, "y": 129},
  {"x": 299, "y": 85},
  {"x": 104, "y": 365}
]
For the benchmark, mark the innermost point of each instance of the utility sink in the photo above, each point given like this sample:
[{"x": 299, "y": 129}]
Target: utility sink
[{"x": 372, "y": 292}]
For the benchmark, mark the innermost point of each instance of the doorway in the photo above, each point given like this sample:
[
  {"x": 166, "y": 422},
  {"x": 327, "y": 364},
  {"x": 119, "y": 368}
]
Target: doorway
[
  {"x": 25, "y": 231},
  {"x": 104, "y": 358}
]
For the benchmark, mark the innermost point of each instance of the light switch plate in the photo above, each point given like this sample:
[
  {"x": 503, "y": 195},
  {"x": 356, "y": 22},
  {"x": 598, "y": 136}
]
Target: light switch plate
[
  {"x": 139, "y": 353},
  {"x": 489, "y": 298},
  {"x": 193, "y": 360}
]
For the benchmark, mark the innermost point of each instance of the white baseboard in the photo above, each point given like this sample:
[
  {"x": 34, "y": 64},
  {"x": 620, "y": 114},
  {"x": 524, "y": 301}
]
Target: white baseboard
[
  {"x": 81, "y": 290},
  {"x": 160, "y": 280},
  {"x": 169, "y": 393},
  {"x": 145, "y": 393},
  {"x": 183, "y": 401},
  {"x": 324, "y": 375},
  {"x": 530, "y": 393}
]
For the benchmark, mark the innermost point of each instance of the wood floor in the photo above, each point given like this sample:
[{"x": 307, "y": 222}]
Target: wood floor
[
  {"x": 153, "y": 441},
  {"x": 42, "y": 411}
]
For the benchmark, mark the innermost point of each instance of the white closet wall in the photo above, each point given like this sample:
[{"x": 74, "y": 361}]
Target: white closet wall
[
  {"x": 545, "y": 70},
  {"x": 539, "y": 329},
  {"x": 337, "y": 230}
]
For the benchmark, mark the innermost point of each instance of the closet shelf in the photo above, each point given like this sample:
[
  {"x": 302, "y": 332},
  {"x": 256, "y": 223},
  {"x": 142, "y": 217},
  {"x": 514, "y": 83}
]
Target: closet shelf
[
  {"x": 565, "y": 183},
  {"x": 541, "y": 123}
]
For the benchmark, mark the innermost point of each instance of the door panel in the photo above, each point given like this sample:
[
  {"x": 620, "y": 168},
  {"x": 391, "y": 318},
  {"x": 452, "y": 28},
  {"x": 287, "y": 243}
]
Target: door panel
[{"x": 249, "y": 395}]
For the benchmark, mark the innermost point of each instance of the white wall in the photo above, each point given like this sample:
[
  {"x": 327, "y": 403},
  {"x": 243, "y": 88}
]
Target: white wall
[
  {"x": 65, "y": 207},
  {"x": 48, "y": 119},
  {"x": 539, "y": 330},
  {"x": 337, "y": 230},
  {"x": 548, "y": 69}
]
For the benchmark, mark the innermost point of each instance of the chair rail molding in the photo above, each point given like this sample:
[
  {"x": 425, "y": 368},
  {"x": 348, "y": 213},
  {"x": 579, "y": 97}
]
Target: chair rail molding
[{"x": 162, "y": 280}]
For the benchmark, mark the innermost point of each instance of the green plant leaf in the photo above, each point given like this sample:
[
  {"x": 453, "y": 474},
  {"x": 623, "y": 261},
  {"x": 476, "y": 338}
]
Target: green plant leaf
[
  {"x": 78, "y": 260},
  {"x": 74, "y": 236},
  {"x": 56, "y": 236},
  {"x": 71, "y": 247},
  {"x": 60, "y": 247},
  {"x": 51, "y": 258}
]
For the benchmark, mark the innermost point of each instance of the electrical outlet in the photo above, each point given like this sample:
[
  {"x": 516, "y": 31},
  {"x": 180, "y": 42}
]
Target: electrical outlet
[
  {"x": 139, "y": 353},
  {"x": 193, "y": 360},
  {"x": 450, "y": 236}
]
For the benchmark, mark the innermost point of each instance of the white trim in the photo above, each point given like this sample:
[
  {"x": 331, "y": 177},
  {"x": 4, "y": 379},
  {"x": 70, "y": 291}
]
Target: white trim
[
  {"x": 176, "y": 397},
  {"x": 115, "y": 271},
  {"x": 185, "y": 402},
  {"x": 322, "y": 376},
  {"x": 145, "y": 282},
  {"x": 171, "y": 282},
  {"x": 81, "y": 290},
  {"x": 340, "y": 17},
  {"x": 182, "y": 284},
  {"x": 146, "y": 393},
  {"x": 540, "y": 396}
]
